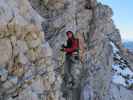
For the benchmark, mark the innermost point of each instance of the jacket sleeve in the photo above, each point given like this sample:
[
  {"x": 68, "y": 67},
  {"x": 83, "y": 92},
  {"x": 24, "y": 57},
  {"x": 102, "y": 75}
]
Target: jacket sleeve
[{"x": 72, "y": 49}]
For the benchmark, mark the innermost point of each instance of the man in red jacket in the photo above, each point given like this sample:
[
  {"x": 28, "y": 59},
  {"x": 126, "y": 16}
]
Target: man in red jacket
[
  {"x": 71, "y": 50},
  {"x": 72, "y": 44}
]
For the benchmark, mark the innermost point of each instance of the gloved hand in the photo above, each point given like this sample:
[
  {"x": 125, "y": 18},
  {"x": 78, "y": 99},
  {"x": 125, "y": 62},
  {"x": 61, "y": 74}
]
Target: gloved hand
[
  {"x": 62, "y": 49},
  {"x": 63, "y": 46}
]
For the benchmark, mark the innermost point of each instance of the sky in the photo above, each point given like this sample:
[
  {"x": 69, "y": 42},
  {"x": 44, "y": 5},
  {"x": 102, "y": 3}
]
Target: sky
[{"x": 123, "y": 16}]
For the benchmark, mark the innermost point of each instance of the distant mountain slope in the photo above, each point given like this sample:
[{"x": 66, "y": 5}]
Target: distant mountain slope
[{"x": 128, "y": 44}]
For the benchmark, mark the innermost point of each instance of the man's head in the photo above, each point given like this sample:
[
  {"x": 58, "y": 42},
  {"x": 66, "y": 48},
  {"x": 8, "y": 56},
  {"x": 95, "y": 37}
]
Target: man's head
[{"x": 69, "y": 34}]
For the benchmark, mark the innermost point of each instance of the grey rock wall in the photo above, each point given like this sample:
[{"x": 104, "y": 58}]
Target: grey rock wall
[{"x": 31, "y": 64}]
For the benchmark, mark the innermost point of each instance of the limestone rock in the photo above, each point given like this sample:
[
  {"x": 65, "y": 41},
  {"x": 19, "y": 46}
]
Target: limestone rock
[
  {"x": 17, "y": 70},
  {"x": 29, "y": 75},
  {"x": 87, "y": 93},
  {"x": 23, "y": 59},
  {"x": 120, "y": 93},
  {"x": 27, "y": 94},
  {"x": 7, "y": 85},
  {"x": 91, "y": 18},
  {"x": 32, "y": 59},
  {"x": 115, "y": 36},
  {"x": 13, "y": 79},
  {"x": 91, "y": 3},
  {"x": 3, "y": 74},
  {"x": 37, "y": 86},
  {"x": 34, "y": 43},
  {"x": 46, "y": 50},
  {"x": 5, "y": 51},
  {"x": 21, "y": 46},
  {"x": 10, "y": 98},
  {"x": 14, "y": 42},
  {"x": 31, "y": 54},
  {"x": 103, "y": 11}
]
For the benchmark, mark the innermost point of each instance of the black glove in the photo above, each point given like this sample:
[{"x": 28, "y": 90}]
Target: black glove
[
  {"x": 62, "y": 49},
  {"x": 63, "y": 46}
]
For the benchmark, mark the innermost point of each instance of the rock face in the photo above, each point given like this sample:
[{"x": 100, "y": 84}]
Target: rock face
[
  {"x": 26, "y": 66},
  {"x": 31, "y": 64},
  {"x": 5, "y": 51},
  {"x": 94, "y": 20}
]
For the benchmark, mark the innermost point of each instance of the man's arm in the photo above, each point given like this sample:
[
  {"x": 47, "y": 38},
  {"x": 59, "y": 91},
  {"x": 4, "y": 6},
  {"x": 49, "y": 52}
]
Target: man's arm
[{"x": 73, "y": 48}]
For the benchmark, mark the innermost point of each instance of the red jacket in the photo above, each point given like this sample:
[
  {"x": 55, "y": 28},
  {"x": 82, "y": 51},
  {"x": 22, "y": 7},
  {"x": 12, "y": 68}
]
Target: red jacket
[{"x": 72, "y": 46}]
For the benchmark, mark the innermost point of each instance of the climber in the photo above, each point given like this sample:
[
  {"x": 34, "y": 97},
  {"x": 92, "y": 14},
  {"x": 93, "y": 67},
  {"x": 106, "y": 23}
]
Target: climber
[
  {"x": 71, "y": 50},
  {"x": 72, "y": 44}
]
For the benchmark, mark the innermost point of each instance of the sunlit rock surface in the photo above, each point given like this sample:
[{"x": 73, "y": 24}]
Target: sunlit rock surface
[
  {"x": 26, "y": 66},
  {"x": 31, "y": 64}
]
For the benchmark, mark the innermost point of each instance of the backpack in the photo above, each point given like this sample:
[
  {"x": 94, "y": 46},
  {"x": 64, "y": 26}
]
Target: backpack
[{"x": 82, "y": 46}]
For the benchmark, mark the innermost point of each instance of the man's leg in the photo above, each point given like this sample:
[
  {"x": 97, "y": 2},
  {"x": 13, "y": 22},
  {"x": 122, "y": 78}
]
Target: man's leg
[
  {"x": 67, "y": 75},
  {"x": 76, "y": 71},
  {"x": 67, "y": 68}
]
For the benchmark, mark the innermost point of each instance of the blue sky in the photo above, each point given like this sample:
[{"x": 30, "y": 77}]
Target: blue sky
[{"x": 123, "y": 16}]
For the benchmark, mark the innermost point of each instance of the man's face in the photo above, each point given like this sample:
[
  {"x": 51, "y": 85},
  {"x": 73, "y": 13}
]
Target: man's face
[{"x": 69, "y": 35}]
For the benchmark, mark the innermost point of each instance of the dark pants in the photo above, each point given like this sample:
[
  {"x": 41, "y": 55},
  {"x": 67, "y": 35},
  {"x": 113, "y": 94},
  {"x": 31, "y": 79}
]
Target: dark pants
[
  {"x": 69, "y": 62},
  {"x": 72, "y": 70}
]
